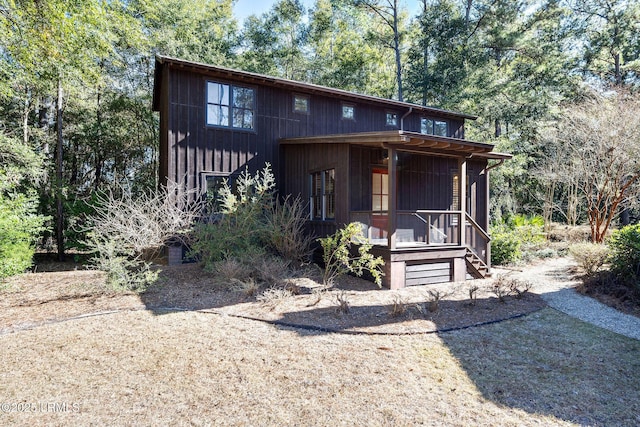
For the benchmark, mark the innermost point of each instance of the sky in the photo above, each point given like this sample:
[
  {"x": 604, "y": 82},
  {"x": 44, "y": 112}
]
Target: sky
[{"x": 244, "y": 8}]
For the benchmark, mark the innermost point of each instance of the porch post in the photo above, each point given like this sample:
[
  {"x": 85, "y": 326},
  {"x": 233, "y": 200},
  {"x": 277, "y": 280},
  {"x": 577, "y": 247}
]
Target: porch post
[
  {"x": 488, "y": 221},
  {"x": 462, "y": 189},
  {"x": 393, "y": 196}
]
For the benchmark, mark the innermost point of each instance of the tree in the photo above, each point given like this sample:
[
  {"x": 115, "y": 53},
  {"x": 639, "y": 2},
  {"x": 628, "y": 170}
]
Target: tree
[
  {"x": 390, "y": 13},
  {"x": 603, "y": 135}
]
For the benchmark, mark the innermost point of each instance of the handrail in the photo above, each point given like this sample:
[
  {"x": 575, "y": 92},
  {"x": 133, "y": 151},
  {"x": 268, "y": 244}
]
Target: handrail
[{"x": 477, "y": 227}]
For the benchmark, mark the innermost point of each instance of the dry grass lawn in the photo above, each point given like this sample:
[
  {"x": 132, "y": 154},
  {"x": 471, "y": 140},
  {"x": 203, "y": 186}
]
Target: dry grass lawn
[{"x": 137, "y": 366}]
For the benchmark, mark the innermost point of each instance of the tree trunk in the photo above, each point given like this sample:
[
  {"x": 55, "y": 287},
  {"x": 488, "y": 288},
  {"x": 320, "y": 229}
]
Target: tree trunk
[
  {"x": 498, "y": 128},
  {"x": 59, "y": 206},
  {"x": 396, "y": 41}
]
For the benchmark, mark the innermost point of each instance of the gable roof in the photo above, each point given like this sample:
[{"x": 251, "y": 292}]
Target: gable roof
[{"x": 307, "y": 88}]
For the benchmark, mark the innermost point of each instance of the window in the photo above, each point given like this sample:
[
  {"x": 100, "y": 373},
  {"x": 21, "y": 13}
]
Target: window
[
  {"x": 433, "y": 127},
  {"x": 230, "y": 106},
  {"x": 301, "y": 104},
  {"x": 323, "y": 198},
  {"x": 392, "y": 119},
  {"x": 439, "y": 128},
  {"x": 380, "y": 190},
  {"x": 348, "y": 112},
  {"x": 212, "y": 182}
]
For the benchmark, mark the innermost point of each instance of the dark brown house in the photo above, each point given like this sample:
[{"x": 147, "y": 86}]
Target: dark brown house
[{"x": 405, "y": 172}]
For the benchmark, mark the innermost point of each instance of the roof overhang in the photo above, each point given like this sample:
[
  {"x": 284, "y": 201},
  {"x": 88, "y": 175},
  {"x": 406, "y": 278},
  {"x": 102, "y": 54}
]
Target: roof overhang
[
  {"x": 259, "y": 79},
  {"x": 406, "y": 141}
]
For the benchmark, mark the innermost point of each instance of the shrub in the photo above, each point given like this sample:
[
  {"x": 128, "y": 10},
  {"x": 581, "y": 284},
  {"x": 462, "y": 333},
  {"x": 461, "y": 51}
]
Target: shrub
[
  {"x": 339, "y": 260},
  {"x": 127, "y": 231},
  {"x": 241, "y": 223},
  {"x": 625, "y": 255},
  {"x": 509, "y": 237},
  {"x": 505, "y": 246},
  {"x": 19, "y": 228},
  {"x": 589, "y": 256},
  {"x": 285, "y": 229}
]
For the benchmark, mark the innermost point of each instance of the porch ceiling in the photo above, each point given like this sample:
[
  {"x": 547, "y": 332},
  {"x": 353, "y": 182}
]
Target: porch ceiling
[{"x": 402, "y": 140}]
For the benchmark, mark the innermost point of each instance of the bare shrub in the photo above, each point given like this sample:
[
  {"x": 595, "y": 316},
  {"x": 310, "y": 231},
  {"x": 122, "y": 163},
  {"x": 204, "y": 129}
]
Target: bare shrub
[
  {"x": 128, "y": 230},
  {"x": 249, "y": 286},
  {"x": 342, "y": 301},
  {"x": 500, "y": 288},
  {"x": 398, "y": 306},
  {"x": 434, "y": 297},
  {"x": 272, "y": 297},
  {"x": 519, "y": 288},
  {"x": 271, "y": 270},
  {"x": 230, "y": 269},
  {"x": 316, "y": 296},
  {"x": 589, "y": 256},
  {"x": 473, "y": 293},
  {"x": 285, "y": 229}
]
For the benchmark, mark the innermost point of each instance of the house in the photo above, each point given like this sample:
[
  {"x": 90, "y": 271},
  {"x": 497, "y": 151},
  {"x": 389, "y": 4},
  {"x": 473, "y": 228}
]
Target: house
[{"x": 405, "y": 172}]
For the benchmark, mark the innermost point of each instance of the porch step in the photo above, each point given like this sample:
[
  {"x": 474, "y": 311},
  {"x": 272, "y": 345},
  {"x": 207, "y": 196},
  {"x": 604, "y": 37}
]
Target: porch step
[{"x": 475, "y": 266}]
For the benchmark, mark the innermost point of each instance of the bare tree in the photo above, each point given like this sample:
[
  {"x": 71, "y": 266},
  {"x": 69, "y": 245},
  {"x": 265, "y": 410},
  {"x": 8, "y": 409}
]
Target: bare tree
[{"x": 602, "y": 136}]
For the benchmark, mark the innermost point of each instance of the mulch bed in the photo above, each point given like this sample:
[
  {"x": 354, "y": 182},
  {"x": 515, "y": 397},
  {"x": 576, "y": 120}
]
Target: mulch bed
[{"x": 49, "y": 296}]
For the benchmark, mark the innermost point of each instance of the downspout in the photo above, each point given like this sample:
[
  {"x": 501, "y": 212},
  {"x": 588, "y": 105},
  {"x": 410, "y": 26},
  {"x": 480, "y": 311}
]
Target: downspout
[
  {"x": 488, "y": 168},
  {"x": 403, "y": 117}
]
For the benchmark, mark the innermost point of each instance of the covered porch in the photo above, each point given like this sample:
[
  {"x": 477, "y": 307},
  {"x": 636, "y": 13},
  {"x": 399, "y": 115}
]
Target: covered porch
[{"x": 422, "y": 200}]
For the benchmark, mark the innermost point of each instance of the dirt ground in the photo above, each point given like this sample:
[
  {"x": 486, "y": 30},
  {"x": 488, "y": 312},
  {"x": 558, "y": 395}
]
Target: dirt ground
[
  {"x": 186, "y": 353},
  {"x": 65, "y": 292}
]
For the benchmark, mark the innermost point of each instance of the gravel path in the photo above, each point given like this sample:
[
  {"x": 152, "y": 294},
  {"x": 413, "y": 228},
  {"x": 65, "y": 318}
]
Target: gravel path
[{"x": 553, "y": 282}]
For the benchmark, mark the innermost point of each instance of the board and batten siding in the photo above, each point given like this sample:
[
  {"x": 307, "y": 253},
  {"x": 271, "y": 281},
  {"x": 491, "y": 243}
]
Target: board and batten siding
[{"x": 191, "y": 147}]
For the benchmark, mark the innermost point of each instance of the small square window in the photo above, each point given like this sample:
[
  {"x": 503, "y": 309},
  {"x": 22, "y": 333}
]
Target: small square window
[
  {"x": 392, "y": 119},
  {"x": 426, "y": 126},
  {"x": 440, "y": 128},
  {"x": 348, "y": 112},
  {"x": 301, "y": 104}
]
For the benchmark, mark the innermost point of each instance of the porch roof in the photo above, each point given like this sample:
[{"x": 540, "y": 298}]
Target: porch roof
[{"x": 406, "y": 141}]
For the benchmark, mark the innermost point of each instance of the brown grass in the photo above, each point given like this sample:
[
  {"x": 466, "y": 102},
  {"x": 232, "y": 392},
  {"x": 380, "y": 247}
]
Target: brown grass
[{"x": 159, "y": 367}]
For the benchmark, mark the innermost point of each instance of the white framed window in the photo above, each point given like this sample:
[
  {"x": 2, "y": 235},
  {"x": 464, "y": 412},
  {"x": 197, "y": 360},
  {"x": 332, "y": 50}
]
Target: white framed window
[
  {"x": 230, "y": 106},
  {"x": 323, "y": 195}
]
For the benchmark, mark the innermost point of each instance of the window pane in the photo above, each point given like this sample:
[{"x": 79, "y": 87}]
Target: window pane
[
  {"x": 329, "y": 181},
  {"x": 377, "y": 183},
  {"x": 385, "y": 203},
  {"x": 217, "y": 94},
  {"x": 426, "y": 126},
  {"x": 217, "y": 116},
  {"x": 392, "y": 119},
  {"x": 376, "y": 204},
  {"x": 242, "y": 97},
  {"x": 348, "y": 112},
  {"x": 330, "y": 212},
  {"x": 385, "y": 183},
  {"x": 440, "y": 128},
  {"x": 301, "y": 104}
]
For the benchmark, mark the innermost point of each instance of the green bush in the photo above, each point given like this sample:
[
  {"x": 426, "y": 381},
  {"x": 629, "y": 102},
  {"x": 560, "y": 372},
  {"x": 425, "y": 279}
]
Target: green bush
[
  {"x": 250, "y": 220},
  {"x": 624, "y": 247},
  {"x": 19, "y": 228},
  {"x": 505, "y": 246},
  {"x": 589, "y": 256},
  {"x": 509, "y": 237},
  {"x": 20, "y": 225},
  {"x": 339, "y": 259}
]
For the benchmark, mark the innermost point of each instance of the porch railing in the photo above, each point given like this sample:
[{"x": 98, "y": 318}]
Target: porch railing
[
  {"x": 413, "y": 228},
  {"x": 477, "y": 239}
]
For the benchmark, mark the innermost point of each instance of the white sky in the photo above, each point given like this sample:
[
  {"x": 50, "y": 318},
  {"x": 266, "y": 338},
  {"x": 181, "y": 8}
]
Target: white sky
[{"x": 244, "y": 8}]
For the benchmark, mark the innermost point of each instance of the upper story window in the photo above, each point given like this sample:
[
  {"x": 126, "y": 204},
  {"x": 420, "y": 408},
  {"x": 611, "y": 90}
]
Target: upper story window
[
  {"x": 348, "y": 111},
  {"x": 301, "y": 104},
  {"x": 434, "y": 127},
  {"x": 392, "y": 119},
  {"x": 230, "y": 106}
]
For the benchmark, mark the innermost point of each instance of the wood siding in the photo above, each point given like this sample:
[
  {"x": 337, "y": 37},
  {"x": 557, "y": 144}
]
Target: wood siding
[{"x": 189, "y": 147}]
